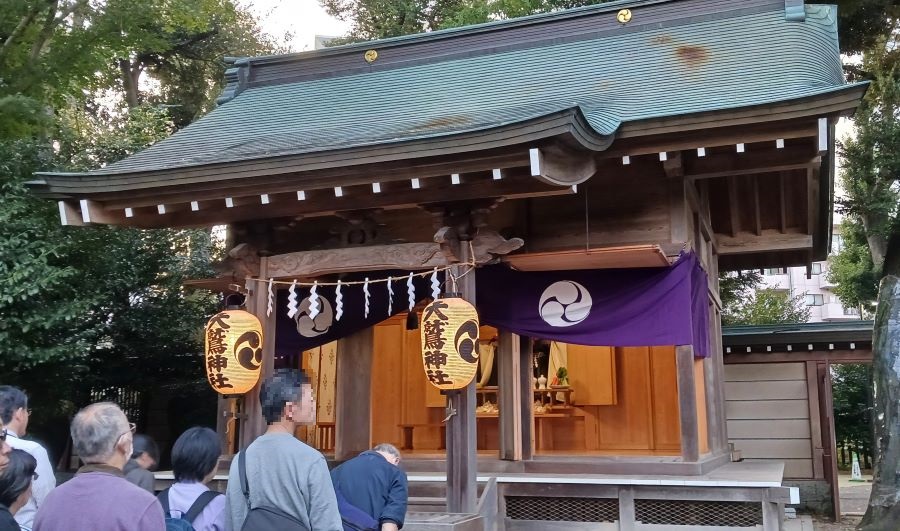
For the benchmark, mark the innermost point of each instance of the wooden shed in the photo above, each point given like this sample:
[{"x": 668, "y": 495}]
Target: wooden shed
[{"x": 778, "y": 399}]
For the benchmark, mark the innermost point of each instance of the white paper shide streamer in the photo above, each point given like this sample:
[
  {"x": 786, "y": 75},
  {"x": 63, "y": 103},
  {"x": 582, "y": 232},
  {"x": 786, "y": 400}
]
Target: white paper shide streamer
[
  {"x": 435, "y": 285},
  {"x": 338, "y": 302},
  {"x": 314, "y": 300},
  {"x": 270, "y": 304},
  {"x": 390, "y": 296},
  {"x": 366, "y": 291},
  {"x": 292, "y": 301},
  {"x": 411, "y": 291}
]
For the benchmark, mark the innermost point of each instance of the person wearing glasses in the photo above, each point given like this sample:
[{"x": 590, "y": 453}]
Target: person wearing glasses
[
  {"x": 374, "y": 483},
  {"x": 99, "y": 496},
  {"x": 15, "y": 488},
  {"x": 15, "y": 414}
]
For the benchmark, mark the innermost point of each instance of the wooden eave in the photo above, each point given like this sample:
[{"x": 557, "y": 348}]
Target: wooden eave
[{"x": 484, "y": 150}]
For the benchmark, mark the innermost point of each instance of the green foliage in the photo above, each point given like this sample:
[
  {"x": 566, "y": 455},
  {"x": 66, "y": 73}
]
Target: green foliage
[
  {"x": 852, "y": 410},
  {"x": 84, "y": 84},
  {"x": 851, "y": 269},
  {"x": 737, "y": 286},
  {"x": 766, "y": 306}
]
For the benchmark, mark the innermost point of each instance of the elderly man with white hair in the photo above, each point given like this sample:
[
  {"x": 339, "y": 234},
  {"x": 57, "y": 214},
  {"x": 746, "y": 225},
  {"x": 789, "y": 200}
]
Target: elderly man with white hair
[{"x": 99, "y": 497}]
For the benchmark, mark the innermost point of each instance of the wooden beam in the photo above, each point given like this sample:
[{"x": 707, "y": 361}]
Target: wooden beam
[
  {"x": 710, "y": 137},
  {"x": 782, "y": 201},
  {"x": 407, "y": 256},
  {"x": 323, "y": 203},
  {"x": 733, "y": 207},
  {"x": 561, "y": 166},
  {"x": 687, "y": 403},
  {"x": 509, "y": 361},
  {"x": 462, "y": 447},
  {"x": 352, "y": 413},
  {"x": 812, "y": 199},
  {"x": 69, "y": 214},
  {"x": 678, "y": 211},
  {"x": 815, "y": 421},
  {"x": 702, "y": 209},
  {"x": 526, "y": 397},
  {"x": 757, "y": 218},
  {"x": 860, "y": 355},
  {"x": 731, "y": 164},
  {"x": 674, "y": 165},
  {"x": 253, "y": 424},
  {"x": 768, "y": 240}
]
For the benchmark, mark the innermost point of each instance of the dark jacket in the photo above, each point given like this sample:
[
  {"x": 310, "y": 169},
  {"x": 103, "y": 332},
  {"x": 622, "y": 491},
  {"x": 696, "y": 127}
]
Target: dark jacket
[
  {"x": 139, "y": 476},
  {"x": 377, "y": 487},
  {"x": 7, "y": 522}
]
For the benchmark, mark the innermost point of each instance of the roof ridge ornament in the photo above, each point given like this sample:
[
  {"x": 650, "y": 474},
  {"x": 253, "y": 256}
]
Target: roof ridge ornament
[
  {"x": 794, "y": 10},
  {"x": 236, "y": 78}
]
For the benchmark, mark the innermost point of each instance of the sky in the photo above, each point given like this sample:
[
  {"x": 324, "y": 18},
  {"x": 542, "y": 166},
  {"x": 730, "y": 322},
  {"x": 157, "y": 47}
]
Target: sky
[{"x": 303, "y": 19}]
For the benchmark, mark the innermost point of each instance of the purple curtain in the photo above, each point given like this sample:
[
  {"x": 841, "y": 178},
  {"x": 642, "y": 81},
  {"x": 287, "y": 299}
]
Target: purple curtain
[{"x": 606, "y": 307}]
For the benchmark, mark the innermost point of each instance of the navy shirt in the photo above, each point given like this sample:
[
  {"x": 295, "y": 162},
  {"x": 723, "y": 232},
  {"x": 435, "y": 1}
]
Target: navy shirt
[{"x": 372, "y": 484}]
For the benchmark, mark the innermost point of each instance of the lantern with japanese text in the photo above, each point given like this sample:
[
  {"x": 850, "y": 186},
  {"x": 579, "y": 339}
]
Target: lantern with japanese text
[
  {"x": 449, "y": 331},
  {"x": 234, "y": 343}
]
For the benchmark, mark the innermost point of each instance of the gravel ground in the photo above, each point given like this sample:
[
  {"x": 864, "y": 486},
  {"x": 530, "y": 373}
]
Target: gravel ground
[{"x": 847, "y": 523}]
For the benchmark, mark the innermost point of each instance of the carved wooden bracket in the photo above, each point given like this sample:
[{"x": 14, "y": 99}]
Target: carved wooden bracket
[
  {"x": 242, "y": 262},
  {"x": 408, "y": 256},
  {"x": 488, "y": 245}
]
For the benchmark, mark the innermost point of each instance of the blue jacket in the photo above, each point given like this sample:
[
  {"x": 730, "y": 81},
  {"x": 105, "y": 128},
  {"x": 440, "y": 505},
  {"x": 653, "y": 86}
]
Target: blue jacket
[{"x": 377, "y": 487}]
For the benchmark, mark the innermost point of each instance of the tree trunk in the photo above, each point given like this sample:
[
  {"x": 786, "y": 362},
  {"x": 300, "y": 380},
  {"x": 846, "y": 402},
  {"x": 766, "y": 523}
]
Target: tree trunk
[
  {"x": 130, "y": 76},
  {"x": 884, "y": 504}
]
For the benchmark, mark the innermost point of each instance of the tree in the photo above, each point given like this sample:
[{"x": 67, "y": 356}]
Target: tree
[
  {"x": 766, "y": 307},
  {"x": 88, "y": 308},
  {"x": 870, "y": 178}
]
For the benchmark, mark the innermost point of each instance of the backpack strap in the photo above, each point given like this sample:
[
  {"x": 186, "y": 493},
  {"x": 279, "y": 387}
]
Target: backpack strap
[
  {"x": 242, "y": 469},
  {"x": 199, "y": 504},
  {"x": 163, "y": 498}
]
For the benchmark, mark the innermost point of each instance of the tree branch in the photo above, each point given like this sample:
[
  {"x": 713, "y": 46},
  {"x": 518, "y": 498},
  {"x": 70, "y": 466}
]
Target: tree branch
[
  {"x": 46, "y": 32},
  {"x": 18, "y": 31}
]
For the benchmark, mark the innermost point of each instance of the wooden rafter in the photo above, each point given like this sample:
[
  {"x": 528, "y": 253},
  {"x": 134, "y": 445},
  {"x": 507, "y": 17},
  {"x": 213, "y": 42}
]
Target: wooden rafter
[
  {"x": 757, "y": 218},
  {"x": 733, "y": 207}
]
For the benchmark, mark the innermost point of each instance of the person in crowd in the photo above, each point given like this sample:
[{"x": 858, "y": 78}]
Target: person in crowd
[
  {"x": 5, "y": 448},
  {"x": 15, "y": 414},
  {"x": 195, "y": 459},
  {"x": 99, "y": 497},
  {"x": 374, "y": 482},
  {"x": 282, "y": 472},
  {"x": 138, "y": 469},
  {"x": 15, "y": 488}
]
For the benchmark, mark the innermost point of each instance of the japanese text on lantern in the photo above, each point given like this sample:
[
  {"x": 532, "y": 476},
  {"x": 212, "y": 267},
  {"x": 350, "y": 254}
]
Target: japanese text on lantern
[
  {"x": 233, "y": 351},
  {"x": 449, "y": 332}
]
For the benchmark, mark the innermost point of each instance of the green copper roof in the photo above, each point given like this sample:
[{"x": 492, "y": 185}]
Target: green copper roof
[{"x": 737, "y": 57}]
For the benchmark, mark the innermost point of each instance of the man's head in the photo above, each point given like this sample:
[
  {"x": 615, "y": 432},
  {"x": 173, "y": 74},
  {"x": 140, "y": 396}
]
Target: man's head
[
  {"x": 5, "y": 448},
  {"x": 145, "y": 452},
  {"x": 101, "y": 434},
  {"x": 286, "y": 396},
  {"x": 14, "y": 410},
  {"x": 389, "y": 452}
]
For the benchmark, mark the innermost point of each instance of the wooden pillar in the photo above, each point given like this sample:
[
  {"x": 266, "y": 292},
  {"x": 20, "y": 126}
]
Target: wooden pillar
[
  {"x": 526, "y": 397},
  {"x": 252, "y": 422},
  {"x": 713, "y": 371},
  {"x": 461, "y": 442},
  {"x": 353, "y": 413},
  {"x": 509, "y": 382},
  {"x": 687, "y": 403}
]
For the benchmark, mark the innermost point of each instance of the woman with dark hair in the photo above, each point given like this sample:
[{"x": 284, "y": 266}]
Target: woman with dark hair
[
  {"x": 195, "y": 458},
  {"x": 15, "y": 487}
]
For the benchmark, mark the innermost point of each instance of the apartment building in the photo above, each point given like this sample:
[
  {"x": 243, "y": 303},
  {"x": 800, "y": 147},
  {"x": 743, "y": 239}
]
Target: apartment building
[{"x": 816, "y": 290}]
